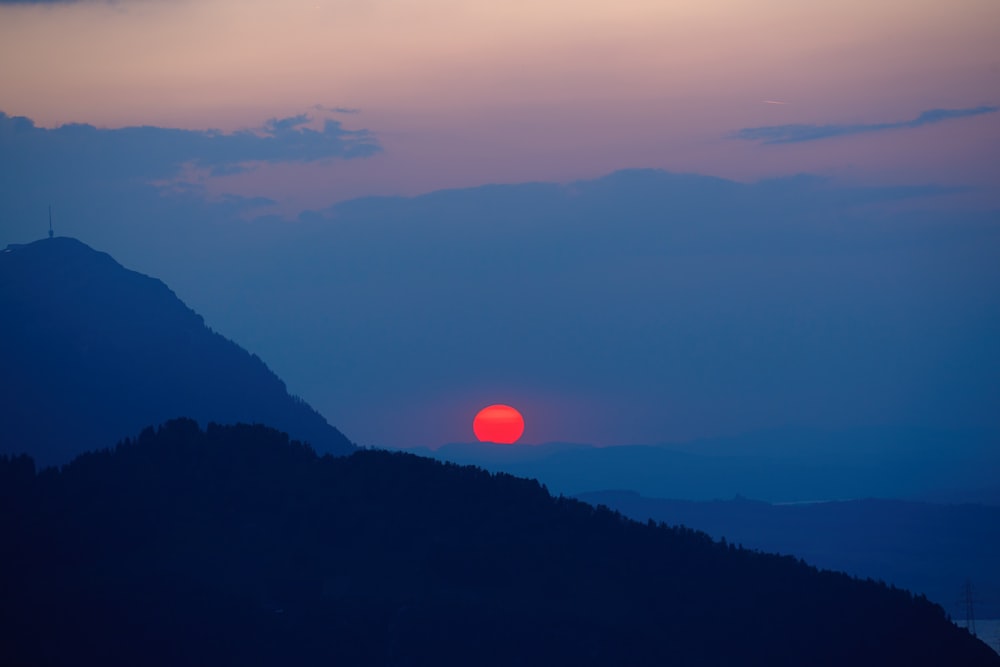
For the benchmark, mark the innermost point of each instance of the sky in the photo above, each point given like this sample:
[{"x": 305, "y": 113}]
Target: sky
[{"x": 636, "y": 221}]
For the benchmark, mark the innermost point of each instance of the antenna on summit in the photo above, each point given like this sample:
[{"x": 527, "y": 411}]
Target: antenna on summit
[{"x": 51, "y": 233}]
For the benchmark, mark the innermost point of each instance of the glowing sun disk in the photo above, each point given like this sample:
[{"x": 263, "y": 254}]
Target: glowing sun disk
[{"x": 498, "y": 423}]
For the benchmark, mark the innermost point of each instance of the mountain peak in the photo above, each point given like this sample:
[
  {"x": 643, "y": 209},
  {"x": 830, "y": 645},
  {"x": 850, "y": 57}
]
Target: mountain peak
[
  {"x": 57, "y": 247},
  {"x": 97, "y": 352}
]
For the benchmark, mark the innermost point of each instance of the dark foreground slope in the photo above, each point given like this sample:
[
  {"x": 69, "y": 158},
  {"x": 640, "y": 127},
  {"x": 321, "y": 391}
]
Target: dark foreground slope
[
  {"x": 925, "y": 548},
  {"x": 234, "y": 546},
  {"x": 92, "y": 352}
]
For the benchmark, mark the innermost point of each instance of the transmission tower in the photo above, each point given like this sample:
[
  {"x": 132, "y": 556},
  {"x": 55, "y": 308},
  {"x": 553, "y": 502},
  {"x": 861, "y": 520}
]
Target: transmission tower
[{"x": 970, "y": 607}]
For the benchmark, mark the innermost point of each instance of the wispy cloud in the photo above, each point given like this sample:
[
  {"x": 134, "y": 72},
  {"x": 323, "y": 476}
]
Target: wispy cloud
[
  {"x": 796, "y": 133},
  {"x": 322, "y": 107},
  {"x": 162, "y": 152}
]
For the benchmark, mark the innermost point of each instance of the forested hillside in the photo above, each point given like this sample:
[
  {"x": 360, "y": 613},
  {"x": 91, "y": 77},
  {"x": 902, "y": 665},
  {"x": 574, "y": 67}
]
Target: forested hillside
[{"x": 234, "y": 545}]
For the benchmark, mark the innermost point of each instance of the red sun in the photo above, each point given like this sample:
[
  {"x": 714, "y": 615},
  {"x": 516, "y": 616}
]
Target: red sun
[{"x": 498, "y": 423}]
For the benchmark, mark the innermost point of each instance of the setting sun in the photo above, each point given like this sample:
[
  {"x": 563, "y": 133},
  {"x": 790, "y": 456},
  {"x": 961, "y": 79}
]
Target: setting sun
[{"x": 500, "y": 424}]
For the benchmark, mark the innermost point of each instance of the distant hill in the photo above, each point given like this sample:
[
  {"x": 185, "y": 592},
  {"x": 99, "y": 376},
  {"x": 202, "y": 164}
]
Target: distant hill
[
  {"x": 926, "y": 548},
  {"x": 233, "y": 545},
  {"x": 790, "y": 465},
  {"x": 91, "y": 352}
]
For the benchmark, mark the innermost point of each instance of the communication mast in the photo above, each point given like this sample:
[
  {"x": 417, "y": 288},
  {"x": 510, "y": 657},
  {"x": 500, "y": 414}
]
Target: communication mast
[
  {"x": 970, "y": 612},
  {"x": 51, "y": 233}
]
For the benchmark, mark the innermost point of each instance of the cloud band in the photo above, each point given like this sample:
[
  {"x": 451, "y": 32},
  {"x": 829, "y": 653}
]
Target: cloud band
[{"x": 797, "y": 133}]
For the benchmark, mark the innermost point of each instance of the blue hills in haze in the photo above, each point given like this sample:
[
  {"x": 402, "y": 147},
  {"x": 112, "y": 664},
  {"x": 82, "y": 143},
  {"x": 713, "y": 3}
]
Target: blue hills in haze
[
  {"x": 239, "y": 545},
  {"x": 780, "y": 465},
  {"x": 682, "y": 305},
  {"x": 93, "y": 352}
]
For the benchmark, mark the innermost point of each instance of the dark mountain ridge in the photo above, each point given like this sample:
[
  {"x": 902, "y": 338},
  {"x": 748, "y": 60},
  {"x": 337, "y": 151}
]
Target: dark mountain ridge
[
  {"x": 92, "y": 352},
  {"x": 922, "y": 547},
  {"x": 234, "y": 545}
]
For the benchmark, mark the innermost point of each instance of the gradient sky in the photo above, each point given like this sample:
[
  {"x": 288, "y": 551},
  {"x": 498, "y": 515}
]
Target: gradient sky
[
  {"x": 890, "y": 107},
  {"x": 467, "y": 92}
]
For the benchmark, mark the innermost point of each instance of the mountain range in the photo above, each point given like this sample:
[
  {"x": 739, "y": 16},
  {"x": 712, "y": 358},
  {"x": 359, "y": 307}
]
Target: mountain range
[
  {"x": 210, "y": 541},
  {"x": 788, "y": 465}
]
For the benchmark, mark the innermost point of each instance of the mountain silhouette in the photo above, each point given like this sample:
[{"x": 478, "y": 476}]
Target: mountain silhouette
[
  {"x": 235, "y": 546},
  {"x": 926, "y": 548},
  {"x": 93, "y": 352}
]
